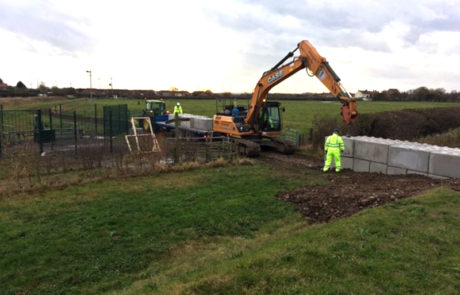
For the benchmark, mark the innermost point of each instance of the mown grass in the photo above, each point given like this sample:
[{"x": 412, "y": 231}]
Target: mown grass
[
  {"x": 408, "y": 247},
  {"x": 221, "y": 231},
  {"x": 299, "y": 114},
  {"x": 103, "y": 236}
]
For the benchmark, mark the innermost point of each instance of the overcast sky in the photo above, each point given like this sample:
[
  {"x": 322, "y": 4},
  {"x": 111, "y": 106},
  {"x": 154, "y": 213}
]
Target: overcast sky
[{"x": 226, "y": 45}]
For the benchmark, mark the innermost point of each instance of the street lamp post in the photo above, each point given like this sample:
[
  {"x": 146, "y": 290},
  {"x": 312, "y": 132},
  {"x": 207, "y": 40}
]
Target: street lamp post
[
  {"x": 111, "y": 86},
  {"x": 90, "y": 83}
]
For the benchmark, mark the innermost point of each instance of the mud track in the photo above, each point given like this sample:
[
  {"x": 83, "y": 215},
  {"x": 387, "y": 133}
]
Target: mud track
[{"x": 347, "y": 192}]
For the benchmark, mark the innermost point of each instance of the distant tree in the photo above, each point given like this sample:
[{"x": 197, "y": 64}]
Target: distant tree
[
  {"x": 438, "y": 94},
  {"x": 421, "y": 94},
  {"x": 1, "y": 81},
  {"x": 21, "y": 85},
  {"x": 173, "y": 89},
  {"x": 43, "y": 87}
]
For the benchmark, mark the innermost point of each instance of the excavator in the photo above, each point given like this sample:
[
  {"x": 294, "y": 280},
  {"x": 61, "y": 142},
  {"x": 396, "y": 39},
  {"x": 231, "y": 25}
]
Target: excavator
[{"x": 259, "y": 125}]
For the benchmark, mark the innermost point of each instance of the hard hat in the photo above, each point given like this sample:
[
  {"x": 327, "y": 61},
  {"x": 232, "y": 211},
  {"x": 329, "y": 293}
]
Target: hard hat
[{"x": 178, "y": 103}]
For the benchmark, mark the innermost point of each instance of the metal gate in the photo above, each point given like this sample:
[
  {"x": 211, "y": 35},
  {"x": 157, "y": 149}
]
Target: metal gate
[{"x": 116, "y": 120}]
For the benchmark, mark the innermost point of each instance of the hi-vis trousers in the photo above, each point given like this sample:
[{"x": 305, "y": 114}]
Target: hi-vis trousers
[{"x": 333, "y": 153}]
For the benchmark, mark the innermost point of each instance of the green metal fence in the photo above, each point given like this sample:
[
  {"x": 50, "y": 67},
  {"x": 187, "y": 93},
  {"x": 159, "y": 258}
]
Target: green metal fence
[
  {"x": 62, "y": 128},
  {"x": 292, "y": 136}
]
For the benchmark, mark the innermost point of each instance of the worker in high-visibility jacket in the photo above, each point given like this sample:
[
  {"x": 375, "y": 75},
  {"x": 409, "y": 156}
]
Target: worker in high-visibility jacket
[
  {"x": 178, "y": 109},
  {"x": 333, "y": 147}
]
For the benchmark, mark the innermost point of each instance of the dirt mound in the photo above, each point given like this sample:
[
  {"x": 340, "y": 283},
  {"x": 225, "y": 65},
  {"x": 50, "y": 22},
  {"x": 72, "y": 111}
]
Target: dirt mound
[
  {"x": 407, "y": 124},
  {"x": 350, "y": 192}
]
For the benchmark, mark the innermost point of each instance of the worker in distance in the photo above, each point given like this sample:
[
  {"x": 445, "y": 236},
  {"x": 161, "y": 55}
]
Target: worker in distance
[
  {"x": 178, "y": 109},
  {"x": 333, "y": 148}
]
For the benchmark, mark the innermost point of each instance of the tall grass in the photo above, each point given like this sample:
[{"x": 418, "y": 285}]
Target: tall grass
[{"x": 450, "y": 138}]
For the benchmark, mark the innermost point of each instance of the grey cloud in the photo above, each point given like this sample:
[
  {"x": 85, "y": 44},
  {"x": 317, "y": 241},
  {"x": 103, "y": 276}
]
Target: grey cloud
[
  {"x": 395, "y": 72},
  {"x": 40, "y": 22},
  {"x": 331, "y": 25}
]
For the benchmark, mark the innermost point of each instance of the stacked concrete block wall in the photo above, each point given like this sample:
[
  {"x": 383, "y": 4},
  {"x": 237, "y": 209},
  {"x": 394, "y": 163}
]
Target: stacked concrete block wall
[
  {"x": 388, "y": 156},
  {"x": 198, "y": 122}
]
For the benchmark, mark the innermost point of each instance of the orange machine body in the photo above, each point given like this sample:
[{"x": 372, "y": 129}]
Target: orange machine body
[{"x": 309, "y": 59}]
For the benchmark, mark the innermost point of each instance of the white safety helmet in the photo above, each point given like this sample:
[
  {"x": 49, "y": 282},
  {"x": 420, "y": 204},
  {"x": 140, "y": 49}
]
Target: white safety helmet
[{"x": 178, "y": 103}]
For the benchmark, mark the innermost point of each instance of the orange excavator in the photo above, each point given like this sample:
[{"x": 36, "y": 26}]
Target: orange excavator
[{"x": 260, "y": 124}]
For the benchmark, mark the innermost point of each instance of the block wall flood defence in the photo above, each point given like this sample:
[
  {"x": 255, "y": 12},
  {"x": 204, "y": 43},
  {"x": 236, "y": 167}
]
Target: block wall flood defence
[{"x": 388, "y": 156}]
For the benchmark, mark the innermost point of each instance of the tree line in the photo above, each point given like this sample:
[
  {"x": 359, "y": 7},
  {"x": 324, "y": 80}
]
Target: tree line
[{"x": 419, "y": 94}]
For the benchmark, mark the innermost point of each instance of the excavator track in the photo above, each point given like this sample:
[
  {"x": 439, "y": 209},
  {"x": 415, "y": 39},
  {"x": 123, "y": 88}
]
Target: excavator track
[
  {"x": 278, "y": 144},
  {"x": 247, "y": 147},
  {"x": 253, "y": 147}
]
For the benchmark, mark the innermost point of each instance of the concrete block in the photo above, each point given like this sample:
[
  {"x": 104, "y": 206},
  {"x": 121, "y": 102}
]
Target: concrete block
[
  {"x": 395, "y": 171},
  {"x": 443, "y": 164},
  {"x": 349, "y": 144},
  {"x": 184, "y": 124},
  {"x": 371, "y": 151},
  {"x": 204, "y": 124},
  {"x": 361, "y": 165},
  {"x": 378, "y": 167},
  {"x": 408, "y": 157},
  {"x": 347, "y": 163},
  {"x": 417, "y": 172},
  {"x": 437, "y": 177}
]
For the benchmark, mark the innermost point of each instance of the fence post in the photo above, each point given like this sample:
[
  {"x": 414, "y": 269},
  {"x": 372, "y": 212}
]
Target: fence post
[
  {"x": 1, "y": 128},
  {"x": 60, "y": 117},
  {"x": 176, "y": 135},
  {"x": 110, "y": 130},
  {"x": 50, "y": 114},
  {"x": 39, "y": 128},
  {"x": 75, "y": 129},
  {"x": 1, "y": 118},
  {"x": 50, "y": 118},
  {"x": 119, "y": 119},
  {"x": 95, "y": 119}
]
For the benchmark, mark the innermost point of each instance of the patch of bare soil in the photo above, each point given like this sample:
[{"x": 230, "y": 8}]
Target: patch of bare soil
[{"x": 349, "y": 192}]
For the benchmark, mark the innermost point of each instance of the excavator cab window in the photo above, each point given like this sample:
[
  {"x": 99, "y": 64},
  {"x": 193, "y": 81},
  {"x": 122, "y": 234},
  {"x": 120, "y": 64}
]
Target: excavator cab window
[{"x": 270, "y": 119}]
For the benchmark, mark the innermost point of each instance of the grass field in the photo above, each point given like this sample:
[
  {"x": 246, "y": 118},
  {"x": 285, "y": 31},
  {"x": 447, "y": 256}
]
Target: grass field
[
  {"x": 221, "y": 231},
  {"x": 98, "y": 237},
  {"x": 299, "y": 114}
]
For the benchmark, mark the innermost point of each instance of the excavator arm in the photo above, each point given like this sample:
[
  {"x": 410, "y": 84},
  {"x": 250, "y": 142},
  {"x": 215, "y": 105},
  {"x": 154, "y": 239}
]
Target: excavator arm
[{"x": 310, "y": 59}]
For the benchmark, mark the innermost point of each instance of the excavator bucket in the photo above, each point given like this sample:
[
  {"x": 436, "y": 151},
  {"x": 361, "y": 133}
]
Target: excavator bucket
[{"x": 349, "y": 113}]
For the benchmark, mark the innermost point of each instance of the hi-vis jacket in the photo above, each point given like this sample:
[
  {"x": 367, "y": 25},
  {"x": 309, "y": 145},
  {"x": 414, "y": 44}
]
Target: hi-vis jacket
[
  {"x": 178, "y": 109},
  {"x": 334, "y": 142}
]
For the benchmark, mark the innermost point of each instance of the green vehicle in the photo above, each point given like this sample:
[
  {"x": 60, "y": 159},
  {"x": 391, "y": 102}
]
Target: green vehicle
[{"x": 156, "y": 111}]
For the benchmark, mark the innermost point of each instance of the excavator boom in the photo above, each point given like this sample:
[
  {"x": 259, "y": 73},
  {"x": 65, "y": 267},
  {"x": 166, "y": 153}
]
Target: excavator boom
[
  {"x": 310, "y": 59},
  {"x": 260, "y": 124}
]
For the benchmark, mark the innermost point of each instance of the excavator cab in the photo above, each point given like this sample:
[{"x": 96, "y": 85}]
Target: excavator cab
[{"x": 270, "y": 117}]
